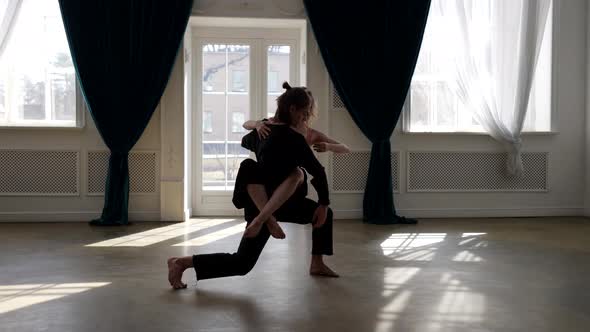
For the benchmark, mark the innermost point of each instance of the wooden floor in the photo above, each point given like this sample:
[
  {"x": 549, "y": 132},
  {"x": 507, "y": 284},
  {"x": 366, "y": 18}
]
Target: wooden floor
[{"x": 526, "y": 274}]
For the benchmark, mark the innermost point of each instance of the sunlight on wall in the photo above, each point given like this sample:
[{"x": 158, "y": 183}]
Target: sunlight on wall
[
  {"x": 14, "y": 297},
  {"x": 160, "y": 234}
]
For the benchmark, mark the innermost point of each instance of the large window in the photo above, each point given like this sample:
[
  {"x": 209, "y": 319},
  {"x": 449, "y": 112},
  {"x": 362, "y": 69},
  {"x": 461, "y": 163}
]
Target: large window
[
  {"x": 207, "y": 122},
  {"x": 238, "y": 119},
  {"x": 239, "y": 66},
  {"x": 37, "y": 78},
  {"x": 433, "y": 105},
  {"x": 226, "y": 101},
  {"x": 239, "y": 82},
  {"x": 278, "y": 59},
  {"x": 226, "y": 105},
  {"x": 273, "y": 82}
]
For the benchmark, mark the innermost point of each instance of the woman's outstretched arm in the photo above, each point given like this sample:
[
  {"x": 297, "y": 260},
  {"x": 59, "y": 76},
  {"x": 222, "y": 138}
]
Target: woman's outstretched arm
[{"x": 322, "y": 143}]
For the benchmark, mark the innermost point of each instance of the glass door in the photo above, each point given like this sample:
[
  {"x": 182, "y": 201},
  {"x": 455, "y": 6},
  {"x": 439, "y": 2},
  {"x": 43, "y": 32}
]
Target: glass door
[{"x": 237, "y": 76}]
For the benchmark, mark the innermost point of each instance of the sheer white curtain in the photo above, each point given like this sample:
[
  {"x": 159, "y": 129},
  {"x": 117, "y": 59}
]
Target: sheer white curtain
[
  {"x": 8, "y": 12},
  {"x": 497, "y": 47}
]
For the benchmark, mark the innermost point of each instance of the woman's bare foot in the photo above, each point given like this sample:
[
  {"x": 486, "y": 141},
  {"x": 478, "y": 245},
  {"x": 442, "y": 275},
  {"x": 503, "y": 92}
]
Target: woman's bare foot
[
  {"x": 254, "y": 228},
  {"x": 175, "y": 270},
  {"x": 275, "y": 229}
]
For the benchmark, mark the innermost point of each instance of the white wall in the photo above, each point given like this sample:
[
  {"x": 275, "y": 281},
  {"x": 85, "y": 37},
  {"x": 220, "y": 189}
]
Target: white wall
[
  {"x": 567, "y": 148},
  {"x": 587, "y": 122},
  {"x": 78, "y": 208}
]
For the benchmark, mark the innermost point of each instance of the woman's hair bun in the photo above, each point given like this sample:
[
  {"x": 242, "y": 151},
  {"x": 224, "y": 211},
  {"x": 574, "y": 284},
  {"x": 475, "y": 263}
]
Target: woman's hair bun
[{"x": 286, "y": 86}]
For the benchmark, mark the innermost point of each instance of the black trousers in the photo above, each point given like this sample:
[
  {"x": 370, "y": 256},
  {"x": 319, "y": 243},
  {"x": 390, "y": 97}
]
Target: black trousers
[{"x": 296, "y": 210}]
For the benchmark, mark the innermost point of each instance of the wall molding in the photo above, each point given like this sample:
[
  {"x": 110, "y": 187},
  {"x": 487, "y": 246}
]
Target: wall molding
[
  {"x": 565, "y": 211},
  {"x": 139, "y": 216},
  {"x": 71, "y": 216}
]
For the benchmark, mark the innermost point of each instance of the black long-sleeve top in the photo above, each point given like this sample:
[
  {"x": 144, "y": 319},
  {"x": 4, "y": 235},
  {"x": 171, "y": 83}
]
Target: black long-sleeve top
[{"x": 281, "y": 152}]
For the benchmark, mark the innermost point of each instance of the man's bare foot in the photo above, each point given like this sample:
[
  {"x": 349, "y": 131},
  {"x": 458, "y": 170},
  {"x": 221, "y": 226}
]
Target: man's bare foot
[
  {"x": 175, "y": 270},
  {"x": 275, "y": 229},
  {"x": 321, "y": 270}
]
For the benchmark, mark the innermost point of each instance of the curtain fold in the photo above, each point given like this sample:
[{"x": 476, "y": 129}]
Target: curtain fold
[
  {"x": 10, "y": 9},
  {"x": 370, "y": 51},
  {"x": 497, "y": 49},
  {"x": 123, "y": 51}
]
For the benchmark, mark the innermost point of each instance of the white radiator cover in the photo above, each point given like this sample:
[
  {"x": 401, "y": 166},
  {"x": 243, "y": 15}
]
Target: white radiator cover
[
  {"x": 142, "y": 172},
  {"x": 349, "y": 171},
  {"x": 336, "y": 103},
  {"x": 469, "y": 171},
  {"x": 39, "y": 173},
  {"x": 444, "y": 171}
]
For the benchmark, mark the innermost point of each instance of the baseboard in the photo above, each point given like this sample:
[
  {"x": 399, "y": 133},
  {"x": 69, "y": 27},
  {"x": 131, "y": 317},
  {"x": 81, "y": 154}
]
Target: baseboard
[
  {"x": 78, "y": 216},
  {"x": 474, "y": 212},
  {"x": 226, "y": 212},
  {"x": 187, "y": 214}
]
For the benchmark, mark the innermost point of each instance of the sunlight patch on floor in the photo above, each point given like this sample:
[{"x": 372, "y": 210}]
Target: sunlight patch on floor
[
  {"x": 14, "y": 297},
  {"x": 160, "y": 234},
  {"x": 214, "y": 236}
]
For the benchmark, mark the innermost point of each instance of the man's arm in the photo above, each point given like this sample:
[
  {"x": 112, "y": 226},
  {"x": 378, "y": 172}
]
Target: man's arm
[
  {"x": 319, "y": 182},
  {"x": 250, "y": 141}
]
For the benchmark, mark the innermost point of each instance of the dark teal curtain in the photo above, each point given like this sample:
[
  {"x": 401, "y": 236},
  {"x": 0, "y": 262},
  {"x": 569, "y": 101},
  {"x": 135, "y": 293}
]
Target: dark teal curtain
[
  {"x": 123, "y": 51},
  {"x": 370, "y": 50}
]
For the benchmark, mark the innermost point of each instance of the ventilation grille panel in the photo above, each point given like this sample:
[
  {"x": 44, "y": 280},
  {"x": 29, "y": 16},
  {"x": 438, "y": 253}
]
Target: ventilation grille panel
[
  {"x": 142, "y": 172},
  {"x": 474, "y": 172},
  {"x": 335, "y": 99},
  {"x": 349, "y": 171},
  {"x": 39, "y": 173}
]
